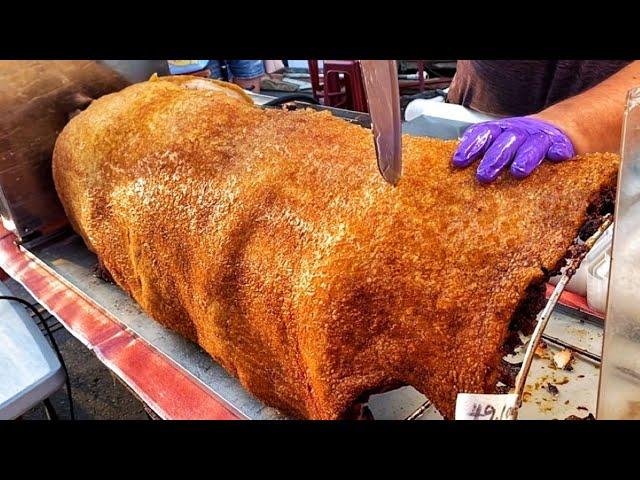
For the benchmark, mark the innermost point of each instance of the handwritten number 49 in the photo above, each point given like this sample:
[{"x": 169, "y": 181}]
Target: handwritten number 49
[{"x": 488, "y": 412}]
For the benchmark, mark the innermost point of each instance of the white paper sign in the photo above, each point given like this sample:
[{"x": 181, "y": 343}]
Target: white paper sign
[{"x": 477, "y": 406}]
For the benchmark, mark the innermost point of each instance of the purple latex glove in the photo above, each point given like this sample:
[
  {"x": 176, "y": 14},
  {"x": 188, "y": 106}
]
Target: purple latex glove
[{"x": 521, "y": 142}]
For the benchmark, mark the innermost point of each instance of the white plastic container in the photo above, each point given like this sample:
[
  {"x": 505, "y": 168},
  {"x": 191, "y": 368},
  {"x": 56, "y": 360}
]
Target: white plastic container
[
  {"x": 578, "y": 283},
  {"x": 437, "y": 109},
  {"x": 29, "y": 368},
  {"x": 598, "y": 282}
]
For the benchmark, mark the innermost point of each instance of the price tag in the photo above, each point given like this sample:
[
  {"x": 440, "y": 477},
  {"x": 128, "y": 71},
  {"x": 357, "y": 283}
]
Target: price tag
[{"x": 477, "y": 406}]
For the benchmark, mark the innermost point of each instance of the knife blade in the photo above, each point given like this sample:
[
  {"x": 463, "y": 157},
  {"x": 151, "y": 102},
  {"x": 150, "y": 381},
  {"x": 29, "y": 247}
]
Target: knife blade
[{"x": 383, "y": 97}]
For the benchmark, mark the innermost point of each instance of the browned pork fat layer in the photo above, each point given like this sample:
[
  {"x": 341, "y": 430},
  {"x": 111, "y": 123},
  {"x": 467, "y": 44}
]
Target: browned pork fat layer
[
  {"x": 523, "y": 319},
  {"x": 268, "y": 237}
]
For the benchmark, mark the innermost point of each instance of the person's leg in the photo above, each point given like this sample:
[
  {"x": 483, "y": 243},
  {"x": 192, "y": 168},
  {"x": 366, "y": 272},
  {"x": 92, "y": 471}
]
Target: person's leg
[
  {"x": 186, "y": 67},
  {"x": 273, "y": 66},
  {"x": 246, "y": 73},
  {"x": 215, "y": 68}
]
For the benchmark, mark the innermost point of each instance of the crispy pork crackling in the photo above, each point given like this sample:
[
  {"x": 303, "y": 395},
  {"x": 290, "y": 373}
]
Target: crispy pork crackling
[{"x": 269, "y": 238}]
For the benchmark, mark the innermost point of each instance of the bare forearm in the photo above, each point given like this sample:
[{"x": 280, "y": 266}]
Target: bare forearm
[{"x": 593, "y": 119}]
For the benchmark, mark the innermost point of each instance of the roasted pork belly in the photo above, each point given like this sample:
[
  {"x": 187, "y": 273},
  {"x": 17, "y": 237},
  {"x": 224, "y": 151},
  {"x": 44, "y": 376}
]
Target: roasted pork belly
[{"x": 269, "y": 238}]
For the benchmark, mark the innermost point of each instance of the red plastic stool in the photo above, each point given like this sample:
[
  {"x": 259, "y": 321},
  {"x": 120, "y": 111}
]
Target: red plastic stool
[
  {"x": 342, "y": 86},
  {"x": 317, "y": 87},
  {"x": 346, "y": 92},
  {"x": 421, "y": 83}
]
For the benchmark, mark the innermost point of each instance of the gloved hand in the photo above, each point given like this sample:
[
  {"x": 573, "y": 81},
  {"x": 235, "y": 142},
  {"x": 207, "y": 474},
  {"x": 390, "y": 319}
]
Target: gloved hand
[{"x": 523, "y": 142}]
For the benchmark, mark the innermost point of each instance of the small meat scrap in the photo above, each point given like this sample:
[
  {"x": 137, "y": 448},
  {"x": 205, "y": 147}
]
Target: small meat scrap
[
  {"x": 503, "y": 389},
  {"x": 575, "y": 417},
  {"x": 541, "y": 350},
  {"x": 552, "y": 389},
  {"x": 563, "y": 359},
  {"x": 101, "y": 272}
]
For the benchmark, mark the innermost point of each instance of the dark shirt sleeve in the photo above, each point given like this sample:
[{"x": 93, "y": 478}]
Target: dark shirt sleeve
[{"x": 524, "y": 87}]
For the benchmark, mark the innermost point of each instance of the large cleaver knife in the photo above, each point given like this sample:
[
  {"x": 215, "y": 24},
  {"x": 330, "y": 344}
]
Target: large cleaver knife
[{"x": 383, "y": 97}]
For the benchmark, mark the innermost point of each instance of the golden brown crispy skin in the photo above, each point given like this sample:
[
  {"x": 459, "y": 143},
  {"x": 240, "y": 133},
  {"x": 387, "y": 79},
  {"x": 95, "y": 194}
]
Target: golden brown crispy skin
[{"x": 269, "y": 238}]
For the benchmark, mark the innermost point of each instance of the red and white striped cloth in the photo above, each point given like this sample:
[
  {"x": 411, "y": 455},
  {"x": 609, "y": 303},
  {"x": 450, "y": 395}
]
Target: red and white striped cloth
[{"x": 169, "y": 390}]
